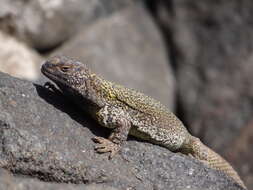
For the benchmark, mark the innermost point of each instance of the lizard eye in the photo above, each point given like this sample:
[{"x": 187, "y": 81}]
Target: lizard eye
[{"x": 65, "y": 69}]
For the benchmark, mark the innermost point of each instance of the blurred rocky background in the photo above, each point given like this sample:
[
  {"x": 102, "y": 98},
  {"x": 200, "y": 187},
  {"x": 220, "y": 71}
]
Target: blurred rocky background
[{"x": 196, "y": 57}]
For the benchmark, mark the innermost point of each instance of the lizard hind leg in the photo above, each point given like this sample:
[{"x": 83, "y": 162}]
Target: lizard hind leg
[{"x": 210, "y": 158}]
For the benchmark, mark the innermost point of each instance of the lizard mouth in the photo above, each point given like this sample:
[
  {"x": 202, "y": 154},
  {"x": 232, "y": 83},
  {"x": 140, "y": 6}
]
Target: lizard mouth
[{"x": 56, "y": 78}]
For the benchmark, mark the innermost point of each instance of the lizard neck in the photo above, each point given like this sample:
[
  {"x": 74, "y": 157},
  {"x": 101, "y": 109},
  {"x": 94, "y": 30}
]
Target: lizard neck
[
  {"x": 95, "y": 92},
  {"x": 92, "y": 93},
  {"x": 100, "y": 91},
  {"x": 88, "y": 93}
]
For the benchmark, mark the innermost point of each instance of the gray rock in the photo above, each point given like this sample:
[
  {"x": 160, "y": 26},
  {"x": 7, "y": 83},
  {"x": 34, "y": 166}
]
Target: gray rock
[
  {"x": 44, "y": 136},
  {"x": 45, "y": 24},
  {"x": 126, "y": 48},
  {"x": 17, "y": 59},
  {"x": 9, "y": 182}
]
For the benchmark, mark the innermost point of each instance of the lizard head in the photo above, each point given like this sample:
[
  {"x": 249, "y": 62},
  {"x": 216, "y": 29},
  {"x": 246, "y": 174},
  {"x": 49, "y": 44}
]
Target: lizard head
[
  {"x": 75, "y": 80},
  {"x": 66, "y": 72}
]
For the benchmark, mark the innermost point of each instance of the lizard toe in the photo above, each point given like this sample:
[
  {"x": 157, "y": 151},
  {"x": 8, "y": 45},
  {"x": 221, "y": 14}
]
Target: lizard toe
[
  {"x": 100, "y": 140},
  {"x": 106, "y": 145},
  {"x": 114, "y": 151}
]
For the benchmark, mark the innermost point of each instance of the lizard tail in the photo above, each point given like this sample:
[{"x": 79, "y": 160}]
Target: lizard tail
[{"x": 201, "y": 152}]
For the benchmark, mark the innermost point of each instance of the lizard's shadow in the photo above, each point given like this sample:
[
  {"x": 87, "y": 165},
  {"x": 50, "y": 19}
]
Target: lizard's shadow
[{"x": 57, "y": 99}]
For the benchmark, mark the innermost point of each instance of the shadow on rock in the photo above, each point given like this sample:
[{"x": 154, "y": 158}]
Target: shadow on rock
[{"x": 57, "y": 99}]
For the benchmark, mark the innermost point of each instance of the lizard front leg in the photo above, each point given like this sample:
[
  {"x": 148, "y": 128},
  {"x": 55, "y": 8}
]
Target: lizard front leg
[{"x": 117, "y": 119}]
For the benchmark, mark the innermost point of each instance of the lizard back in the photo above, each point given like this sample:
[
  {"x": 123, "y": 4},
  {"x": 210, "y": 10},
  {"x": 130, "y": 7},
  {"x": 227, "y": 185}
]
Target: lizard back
[{"x": 146, "y": 107}]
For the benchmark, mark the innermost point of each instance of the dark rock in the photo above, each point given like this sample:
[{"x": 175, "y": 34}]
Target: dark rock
[
  {"x": 44, "y": 136},
  {"x": 45, "y": 24},
  {"x": 215, "y": 74},
  {"x": 211, "y": 44},
  {"x": 126, "y": 48},
  {"x": 241, "y": 155}
]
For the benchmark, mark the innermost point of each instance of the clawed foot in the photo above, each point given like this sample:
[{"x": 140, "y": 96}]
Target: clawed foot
[
  {"x": 52, "y": 87},
  {"x": 106, "y": 145},
  {"x": 49, "y": 85}
]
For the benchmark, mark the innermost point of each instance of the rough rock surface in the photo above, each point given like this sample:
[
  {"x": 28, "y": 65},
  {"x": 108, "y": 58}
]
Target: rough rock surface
[
  {"x": 9, "y": 182},
  {"x": 121, "y": 48},
  {"x": 17, "y": 59},
  {"x": 45, "y": 23},
  {"x": 45, "y": 136}
]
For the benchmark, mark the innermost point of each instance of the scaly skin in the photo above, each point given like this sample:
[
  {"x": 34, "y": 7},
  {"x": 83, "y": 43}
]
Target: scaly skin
[{"x": 127, "y": 111}]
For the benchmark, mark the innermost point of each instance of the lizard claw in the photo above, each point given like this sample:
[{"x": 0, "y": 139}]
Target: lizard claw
[
  {"x": 49, "y": 85},
  {"x": 106, "y": 145},
  {"x": 52, "y": 87}
]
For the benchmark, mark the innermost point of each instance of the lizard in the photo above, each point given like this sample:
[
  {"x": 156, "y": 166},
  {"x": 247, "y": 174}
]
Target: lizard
[{"x": 127, "y": 112}]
